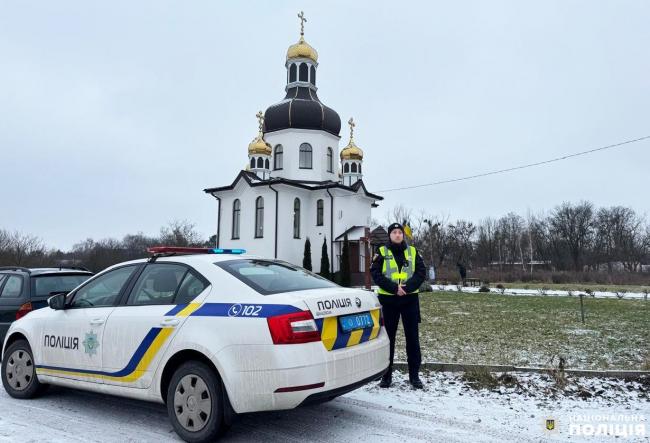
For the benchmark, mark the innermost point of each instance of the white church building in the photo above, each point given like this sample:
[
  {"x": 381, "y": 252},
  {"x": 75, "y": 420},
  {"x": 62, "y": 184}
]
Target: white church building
[{"x": 294, "y": 187}]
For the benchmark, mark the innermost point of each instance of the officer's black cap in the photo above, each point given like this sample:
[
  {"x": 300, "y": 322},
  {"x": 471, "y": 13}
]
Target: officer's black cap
[{"x": 395, "y": 226}]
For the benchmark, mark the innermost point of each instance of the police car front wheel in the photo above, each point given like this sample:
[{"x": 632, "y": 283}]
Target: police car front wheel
[
  {"x": 195, "y": 403},
  {"x": 18, "y": 372}
]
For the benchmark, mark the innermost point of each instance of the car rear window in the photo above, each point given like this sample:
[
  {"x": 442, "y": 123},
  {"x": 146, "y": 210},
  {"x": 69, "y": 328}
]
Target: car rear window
[
  {"x": 274, "y": 276},
  {"x": 44, "y": 285}
]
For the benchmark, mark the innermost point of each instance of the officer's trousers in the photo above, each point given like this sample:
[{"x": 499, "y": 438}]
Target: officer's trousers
[{"x": 407, "y": 307}]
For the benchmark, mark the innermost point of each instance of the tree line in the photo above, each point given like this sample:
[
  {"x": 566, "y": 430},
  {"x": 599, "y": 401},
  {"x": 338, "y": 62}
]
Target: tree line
[
  {"x": 576, "y": 237},
  {"x": 19, "y": 249}
]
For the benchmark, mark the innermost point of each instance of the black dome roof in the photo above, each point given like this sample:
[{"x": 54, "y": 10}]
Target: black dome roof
[{"x": 301, "y": 109}]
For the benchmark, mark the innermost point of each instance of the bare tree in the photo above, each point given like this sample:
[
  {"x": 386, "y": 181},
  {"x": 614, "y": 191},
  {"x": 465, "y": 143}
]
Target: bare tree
[
  {"x": 180, "y": 233},
  {"x": 571, "y": 228}
]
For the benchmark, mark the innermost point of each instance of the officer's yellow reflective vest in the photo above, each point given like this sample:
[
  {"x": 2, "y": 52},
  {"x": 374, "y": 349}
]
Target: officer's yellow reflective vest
[{"x": 391, "y": 271}]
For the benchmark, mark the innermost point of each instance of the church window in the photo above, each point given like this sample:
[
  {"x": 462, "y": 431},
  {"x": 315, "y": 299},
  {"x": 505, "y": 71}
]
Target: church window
[
  {"x": 354, "y": 167},
  {"x": 305, "y": 156},
  {"x": 296, "y": 218},
  {"x": 259, "y": 217},
  {"x": 236, "y": 213},
  {"x": 252, "y": 162},
  {"x": 266, "y": 164},
  {"x": 312, "y": 75},
  {"x": 346, "y": 168},
  {"x": 292, "y": 73},
  {"x": 277, "y": 158},
  {"x": 302, "y": 72},
  {"x": 260, "y": 162},
  {"x": 319, "y": 212},
  {"x": 330, "y": 163}
]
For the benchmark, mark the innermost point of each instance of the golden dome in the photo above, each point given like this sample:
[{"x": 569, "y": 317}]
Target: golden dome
[
  {"x": 351, "y": 151},
  {"x": 302, "y": 49},
  {"x": 258, "y": 145}
]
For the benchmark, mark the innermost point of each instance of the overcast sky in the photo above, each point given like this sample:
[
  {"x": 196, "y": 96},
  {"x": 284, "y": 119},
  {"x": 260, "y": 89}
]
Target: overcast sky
[{"x": 114, "y": 116}]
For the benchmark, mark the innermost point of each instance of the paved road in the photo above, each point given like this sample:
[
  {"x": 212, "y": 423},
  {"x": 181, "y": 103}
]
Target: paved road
[{"x": 76, "y": 416}]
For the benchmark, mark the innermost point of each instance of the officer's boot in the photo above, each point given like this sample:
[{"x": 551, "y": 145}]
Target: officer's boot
[
  {"x": 415, "y": 381},
  {"x": 386, "y": 380}
]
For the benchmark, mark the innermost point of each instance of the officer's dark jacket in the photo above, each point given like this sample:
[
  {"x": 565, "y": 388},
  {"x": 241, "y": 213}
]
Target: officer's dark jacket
[{"x": 412, "y": 284}]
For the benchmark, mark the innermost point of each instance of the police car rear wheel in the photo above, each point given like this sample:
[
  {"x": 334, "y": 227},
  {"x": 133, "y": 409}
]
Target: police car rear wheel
[
  {"x": 18, "y": 372},
  {"x": 194, "y": 402}
]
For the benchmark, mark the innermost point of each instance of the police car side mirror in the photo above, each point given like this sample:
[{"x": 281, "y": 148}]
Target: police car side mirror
[{"x": 57, "y": 302}]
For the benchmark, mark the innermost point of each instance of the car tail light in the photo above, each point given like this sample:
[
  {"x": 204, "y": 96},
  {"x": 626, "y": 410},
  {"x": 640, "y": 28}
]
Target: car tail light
[
  {"x": 24, "y": 309},
  {"x": 297, "y": 327}
]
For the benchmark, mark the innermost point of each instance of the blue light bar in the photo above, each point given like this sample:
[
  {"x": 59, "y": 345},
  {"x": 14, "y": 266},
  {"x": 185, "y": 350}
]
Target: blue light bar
[{"x": 228, "y": 251}]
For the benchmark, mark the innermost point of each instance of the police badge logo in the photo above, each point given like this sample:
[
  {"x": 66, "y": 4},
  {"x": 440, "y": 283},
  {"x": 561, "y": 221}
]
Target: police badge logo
[{"x": 90, "y": 343}]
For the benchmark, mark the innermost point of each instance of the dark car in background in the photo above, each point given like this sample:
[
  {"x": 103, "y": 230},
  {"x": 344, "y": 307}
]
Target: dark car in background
[{"x": 24, "y": 289}]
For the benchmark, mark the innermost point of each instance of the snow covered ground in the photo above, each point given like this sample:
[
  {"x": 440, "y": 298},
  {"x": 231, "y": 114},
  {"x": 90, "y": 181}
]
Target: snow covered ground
[
  {"x": 447, "y": 411},
  {"x": 550, "y": 292}
]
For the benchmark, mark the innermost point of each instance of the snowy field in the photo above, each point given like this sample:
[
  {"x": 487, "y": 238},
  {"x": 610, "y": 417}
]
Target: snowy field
[{"x": 447, "y": 411}]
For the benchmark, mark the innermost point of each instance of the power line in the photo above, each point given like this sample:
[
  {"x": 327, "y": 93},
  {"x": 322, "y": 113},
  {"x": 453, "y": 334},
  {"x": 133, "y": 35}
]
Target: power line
[{"x": 515, "y": 168}]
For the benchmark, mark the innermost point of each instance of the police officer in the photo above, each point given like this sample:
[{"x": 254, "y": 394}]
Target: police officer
[{"x": 399, "y": 271}]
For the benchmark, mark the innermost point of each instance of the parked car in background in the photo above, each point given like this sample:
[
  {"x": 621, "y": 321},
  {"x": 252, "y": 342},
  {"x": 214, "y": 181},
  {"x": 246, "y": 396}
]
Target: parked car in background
[{"x": 25, "y": 289}]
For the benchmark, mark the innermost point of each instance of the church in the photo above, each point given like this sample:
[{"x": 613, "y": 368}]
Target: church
[{"x": 296, "y": 184}]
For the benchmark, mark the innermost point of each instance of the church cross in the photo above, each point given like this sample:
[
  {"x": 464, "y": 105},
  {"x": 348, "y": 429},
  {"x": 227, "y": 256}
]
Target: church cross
[
  {"x": 260, "y": 119},
  {"x": 302, "y": 18},
  {"x": 352, "y": 125}
]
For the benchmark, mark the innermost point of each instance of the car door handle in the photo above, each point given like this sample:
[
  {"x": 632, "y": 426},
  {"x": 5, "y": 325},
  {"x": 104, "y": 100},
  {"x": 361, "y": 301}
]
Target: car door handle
[
  {"x": 97, "y": 321},
  {"x": 170, "y": 322}
]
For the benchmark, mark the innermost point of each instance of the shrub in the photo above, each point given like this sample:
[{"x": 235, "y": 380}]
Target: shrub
[{"x": 484, "y": 288}]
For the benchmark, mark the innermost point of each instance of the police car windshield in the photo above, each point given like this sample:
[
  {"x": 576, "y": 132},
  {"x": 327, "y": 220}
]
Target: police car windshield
[
  {"x": 274, "y": 276},
  {"x": 44, "y": 285}
]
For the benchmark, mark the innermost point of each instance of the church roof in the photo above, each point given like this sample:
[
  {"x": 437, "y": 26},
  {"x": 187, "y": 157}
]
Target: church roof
[
  {"x": 302, "y": 109},
  {"x": 253, "y": 181}
]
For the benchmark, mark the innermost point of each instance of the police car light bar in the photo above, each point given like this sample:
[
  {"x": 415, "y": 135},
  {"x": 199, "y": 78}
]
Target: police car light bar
[{"x": 188, "y": 250}]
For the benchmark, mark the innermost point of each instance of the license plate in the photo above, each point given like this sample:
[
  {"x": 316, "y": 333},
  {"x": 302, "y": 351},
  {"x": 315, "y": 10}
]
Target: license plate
[{"x": 356, "y": 321}]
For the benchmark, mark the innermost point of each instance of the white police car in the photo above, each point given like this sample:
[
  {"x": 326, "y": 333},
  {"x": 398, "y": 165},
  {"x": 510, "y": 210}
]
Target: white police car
[{"x": 210, "y": 333}]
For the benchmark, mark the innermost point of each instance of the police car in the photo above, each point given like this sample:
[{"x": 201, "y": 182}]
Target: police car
[{"x": 209, "y": 332}]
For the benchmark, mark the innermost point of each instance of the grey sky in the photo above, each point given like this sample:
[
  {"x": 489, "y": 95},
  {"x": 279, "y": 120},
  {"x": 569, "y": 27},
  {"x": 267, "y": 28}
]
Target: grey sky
[{"x": 114, "y": 116}]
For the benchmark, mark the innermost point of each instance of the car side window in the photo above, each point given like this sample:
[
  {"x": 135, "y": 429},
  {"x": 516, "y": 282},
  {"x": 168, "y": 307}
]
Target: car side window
[
  {"x": 103, "y": 290},
  {"x": 191, "y": 287},
  {"x": 13, "y": 286},
  {"x": 157, "y": 284}
]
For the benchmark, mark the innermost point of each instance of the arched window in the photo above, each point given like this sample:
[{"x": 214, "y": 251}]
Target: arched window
[
  {"x": 252, "y": 162},
  {"x": 292, "y": 73},
  {"x": 305, "y": 156},
  {"x": 259, "y": 217},
  {"x": 319, "y": 212},
  {"x": 302, "y": 72},
  {"x": 296, "y": 218},
  {"x": 266, "y": 164},
  {"x": 330, "y": 162},
  {"x": 359, "y": 168},
  {"x": 346, "y": 168},
  {"x": 277, "y": 158},
  {"x": 260, "y": 162},
  {"x": 236, "y": 213},
  {"x": 312, "y": 76},
  {"x": 354, "y": 167}
]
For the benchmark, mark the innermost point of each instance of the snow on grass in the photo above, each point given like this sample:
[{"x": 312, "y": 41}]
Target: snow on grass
[
  {"x": 528, "y": 331},
  {"x": 540, "y": 292}
]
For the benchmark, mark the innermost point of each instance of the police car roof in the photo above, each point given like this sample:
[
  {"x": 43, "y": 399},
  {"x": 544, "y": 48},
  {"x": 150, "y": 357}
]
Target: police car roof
[{"x": 47, "y": 271}]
